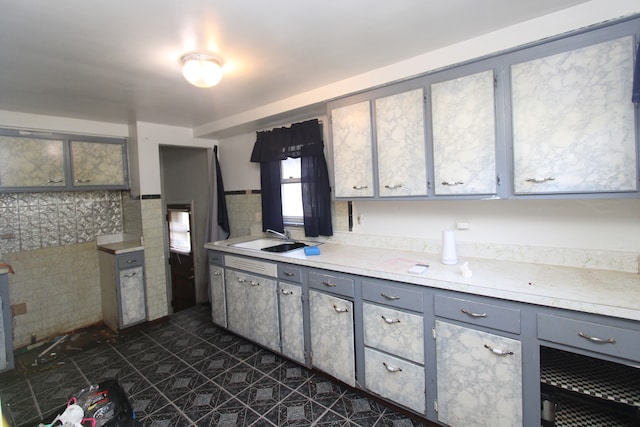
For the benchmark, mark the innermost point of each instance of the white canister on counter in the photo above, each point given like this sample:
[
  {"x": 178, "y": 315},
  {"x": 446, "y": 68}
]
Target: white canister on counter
[{"x": 449, "y": 253}]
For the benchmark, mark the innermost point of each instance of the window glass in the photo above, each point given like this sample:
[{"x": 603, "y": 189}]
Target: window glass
[{"x": 291, "y": 191}]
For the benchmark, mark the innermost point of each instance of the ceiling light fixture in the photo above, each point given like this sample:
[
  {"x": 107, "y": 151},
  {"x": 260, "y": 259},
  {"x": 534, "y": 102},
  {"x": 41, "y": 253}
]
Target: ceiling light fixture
[{"x": 202, "y": 69}]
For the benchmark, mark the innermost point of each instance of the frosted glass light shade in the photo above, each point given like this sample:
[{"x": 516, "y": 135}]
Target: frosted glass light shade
[{"x": 202, "y": 70}]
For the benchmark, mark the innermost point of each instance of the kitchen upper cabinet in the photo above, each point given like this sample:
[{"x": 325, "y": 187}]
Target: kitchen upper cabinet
[
  {"x": 101, "y": 164},
  {"x": 464, "y": 135},
  {"x": 43, "y": 161},
  {"x": 352, "y": 150},
  {"x": 400, "y": 142},
  {"x": 31, "y": 162},
  {"x": 479, "y": 377},
  {"x": 574, "y": 122}
]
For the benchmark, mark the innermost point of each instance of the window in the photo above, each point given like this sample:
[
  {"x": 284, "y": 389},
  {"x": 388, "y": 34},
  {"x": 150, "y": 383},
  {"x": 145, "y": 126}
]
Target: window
[{"x": 291, "y": 191}]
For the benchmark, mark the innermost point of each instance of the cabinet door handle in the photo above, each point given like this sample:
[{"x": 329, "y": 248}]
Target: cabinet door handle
[
  {"x": 498, "y": 351},
  {"x": 360, "y": 187},
  {"x": 390, "y": 297},
  {"x": 390, "y": 368},
  {"x": 242, "y": 280},
  {"x": 131, "y": 261},
  {"x": 340, "y": 310},
  {"x": 390, "y": 320},
  {"x": 216, "y": 273},
  {"x": 596, "y": 339},
  {"x": 130, "y": 275},
  {"x": 329, "y": 284},
  {"x": 286, "y": 292},
  {"x": 472, "y": 314},
  {"x": 540, "y": 179},
  {"x": 254, "y": 283},
  {"x": 82, "y": 181},
  {"x": 393, "y": 186},
  {"x": 54, "y": 181},
  {"x": 289, "y": 274},
  {"x": 452, "y": 183}
]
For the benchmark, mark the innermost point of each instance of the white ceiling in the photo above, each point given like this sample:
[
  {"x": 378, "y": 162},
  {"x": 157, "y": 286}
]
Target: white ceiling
[{"x": 118, "y": 61}]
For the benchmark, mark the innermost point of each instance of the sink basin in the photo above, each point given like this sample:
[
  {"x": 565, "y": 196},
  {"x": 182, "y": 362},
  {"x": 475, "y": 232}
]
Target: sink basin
[
  {"x": 270, "y": 245},
  {"x": 284, "y": 247}
]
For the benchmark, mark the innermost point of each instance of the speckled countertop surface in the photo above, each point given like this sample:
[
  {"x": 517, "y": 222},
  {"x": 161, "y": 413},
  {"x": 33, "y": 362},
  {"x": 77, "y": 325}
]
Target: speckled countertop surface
[
  {"x": 121, "y": 247},
  {"x": 602, "y": 292}
]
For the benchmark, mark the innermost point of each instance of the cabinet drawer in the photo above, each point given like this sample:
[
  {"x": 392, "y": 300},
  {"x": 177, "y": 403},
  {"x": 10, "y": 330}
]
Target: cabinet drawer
[
  {"x": 395, "y": 379},
  {"x": 478, "y": 313},
  {"x": 392, "y": 295},
  {"x": 590, "y": 336},
  {"x": 289, "y": 274},
  {"x": 133, "y": 259},
  {"x": 216, "y": 258},
  {"x": 333, "y": 283},
  {"x": 394, "y": 331}
]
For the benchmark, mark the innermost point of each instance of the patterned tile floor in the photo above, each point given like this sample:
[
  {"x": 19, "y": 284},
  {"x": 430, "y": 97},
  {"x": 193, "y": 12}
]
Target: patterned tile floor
[{"x": 188, "y": 372}]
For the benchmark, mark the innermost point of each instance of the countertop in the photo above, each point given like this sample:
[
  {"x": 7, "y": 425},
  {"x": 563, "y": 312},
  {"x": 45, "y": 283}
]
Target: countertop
[
  {"x": 121, "y": 247},
  {"x": 603, "y": 292}
]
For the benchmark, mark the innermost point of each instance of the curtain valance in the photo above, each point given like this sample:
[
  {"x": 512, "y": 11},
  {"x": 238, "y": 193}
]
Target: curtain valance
[{"x": 299, "y": 140}]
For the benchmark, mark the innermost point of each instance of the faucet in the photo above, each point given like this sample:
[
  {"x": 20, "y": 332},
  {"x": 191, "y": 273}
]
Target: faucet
[{"x": 286, "y": 235}]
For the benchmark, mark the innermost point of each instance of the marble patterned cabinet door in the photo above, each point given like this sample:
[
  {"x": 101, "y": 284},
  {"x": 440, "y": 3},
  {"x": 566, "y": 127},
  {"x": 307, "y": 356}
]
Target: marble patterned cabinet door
[
  {"x": 97, "y": 163},
  {"x": 352, "y": 150},
  {"x": 31, "y": 162},
  {"x": 573, "y": 121},
  {"x": 291, "y": 321},
  {"x": 402, "y": 169},
  {"x": 237, "y": 304},
  {"x": 132, "y": 296},
  {"x": 464, "y": 135},
  {"x": 218, "y": 303},
  {"x": 332, "y": 336},
  {"x": 477, "y": 385}
]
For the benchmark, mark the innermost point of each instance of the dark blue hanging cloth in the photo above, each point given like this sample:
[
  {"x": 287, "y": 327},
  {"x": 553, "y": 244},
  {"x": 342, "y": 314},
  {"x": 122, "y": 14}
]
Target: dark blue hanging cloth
[
  {"x": 635, "y": 98},
  {"x": 223, "y": 215}
]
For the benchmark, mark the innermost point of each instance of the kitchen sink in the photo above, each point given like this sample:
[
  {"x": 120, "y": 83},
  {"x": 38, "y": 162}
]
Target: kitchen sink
[{"x": 269, "y": 245}]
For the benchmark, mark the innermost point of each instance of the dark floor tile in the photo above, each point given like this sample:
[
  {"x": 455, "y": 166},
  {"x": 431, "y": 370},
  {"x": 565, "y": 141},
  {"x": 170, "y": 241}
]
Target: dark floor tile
[
  {"x": 167, "y": 416},
  {"x": 23, "y": 411},
  {"x": 225, "y": 340},
  {"x": 216, "y": 364},
  {"x": 322, "y": 391},
  {"x": 167, "y": 332},
  {"x": 147, "y": 401},
  {"x": 202, "y": 400},
  {"x": 116, "y": 369},
  {"x": 358, "y": 408},
  {"x": 295, "y": 410},
  {"x": 393, "y": 419},
  {"x": 238, "y": 378},
  {"x": 243, "y": 350},
  {"x": 331, "y": 419},
  {"x": 14, "y": 389},
  {"x": 132, "y": 347},
  {"x": 133, "y": 383},
  {"x": 197, "y": 352},
  {"x": 179, "y": 384},
  {"x": 230, "y": 414},
  {"x": 165, "y": 368},
  {"x": 153, "y": 355},
  {"x": 181, "y": 343},
  {"x": 291, "y": 374},
  {"x": 265, "y": 361},
  {"x": 264, "y": 395}
]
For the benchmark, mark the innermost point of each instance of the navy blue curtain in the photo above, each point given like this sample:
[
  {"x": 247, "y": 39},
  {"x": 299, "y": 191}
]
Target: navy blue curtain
[{"x": 301, "y": 140}]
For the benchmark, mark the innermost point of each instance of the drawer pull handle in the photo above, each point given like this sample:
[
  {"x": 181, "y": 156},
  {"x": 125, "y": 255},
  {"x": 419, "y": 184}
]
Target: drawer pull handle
[
  {"x": 130, "y": 275},
  {"x": 389, "y": 320},
  {"x": 216, "y": 273},
  {"x": 289, "y": 274},
  {"x": 360, "y": 187},
  {"x": 391, "y": 368},
  {"x": 242, "y": 280},
  {"x": 253, "y": 283},
  {"x": 596, "y": 339},
  {"x": 82, "y": 181},
  {"x": 540, "y": 179},
  {"x": 286, "y": 292},
  {"x": 472, "y": 314},
  {"x": 131, "y": 261},
  {"x": 329, "y": 284},
  {"x": 498, "y": 351},
  {"x": 393, "y": 186},
  {"x": 452, "y": 183},
  {"x": 390, "y": 297},
  {"x": 340, "y": 310},
  {"x": 54, "y": 181}
]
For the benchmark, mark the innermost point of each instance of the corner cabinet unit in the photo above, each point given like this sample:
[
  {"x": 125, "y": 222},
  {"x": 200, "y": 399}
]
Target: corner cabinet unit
[
  {"x": 124, "y": 301},
  {"x": 6, "y": 326},
  {"x": 44, "y": 161},
  {"x": 550, "y": 120}
]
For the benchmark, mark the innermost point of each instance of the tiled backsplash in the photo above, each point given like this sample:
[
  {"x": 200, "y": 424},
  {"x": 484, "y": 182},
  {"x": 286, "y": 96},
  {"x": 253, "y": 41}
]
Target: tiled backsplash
[{"x": 31, "y": 221}]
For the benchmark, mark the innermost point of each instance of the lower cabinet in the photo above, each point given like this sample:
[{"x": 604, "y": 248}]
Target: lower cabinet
[
  {"x": 479, "y": 377},
  {"x": 252, "y": 308},
  {"x": 217, "y": 292},
  {"x": 332, "y": 336},
  {"x": 6, "y": 326},
  {"x": 291, "y": 321},
  {"x": 123, "y": 289}
]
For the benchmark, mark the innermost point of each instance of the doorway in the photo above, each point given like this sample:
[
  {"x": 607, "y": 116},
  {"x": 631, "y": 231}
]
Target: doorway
[{"x": 181, "y": 263}]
